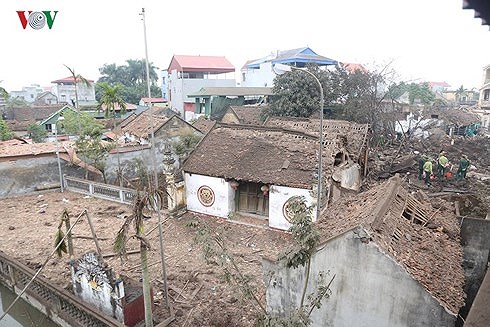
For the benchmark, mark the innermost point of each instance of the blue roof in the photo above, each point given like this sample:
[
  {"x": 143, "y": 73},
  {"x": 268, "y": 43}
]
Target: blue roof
[{"x": 299, "y": 57}]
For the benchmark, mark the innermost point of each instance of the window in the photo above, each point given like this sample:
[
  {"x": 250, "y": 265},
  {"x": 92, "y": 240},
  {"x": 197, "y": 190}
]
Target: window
[{"x": 486, "y": 95}]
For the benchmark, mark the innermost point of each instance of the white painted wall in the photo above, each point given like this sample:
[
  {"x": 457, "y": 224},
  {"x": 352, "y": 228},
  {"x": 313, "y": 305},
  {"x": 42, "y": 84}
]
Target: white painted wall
[
  {"x": 179, "y": 88},
  {"x": 224, "y": 195},
  {"x": 264, "y": 76},
  {"x": 278, "y": 196},
  {"x": 370, "y": 288}
]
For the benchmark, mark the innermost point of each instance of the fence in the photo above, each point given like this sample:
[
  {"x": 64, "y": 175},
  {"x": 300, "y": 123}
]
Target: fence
[
  {"x": 99, "y": 190},
  {"x": 61, "y": 306}
]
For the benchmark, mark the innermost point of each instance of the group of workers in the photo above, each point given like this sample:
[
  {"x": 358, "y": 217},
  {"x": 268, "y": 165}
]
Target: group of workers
[{"x": 443, "y": 167}]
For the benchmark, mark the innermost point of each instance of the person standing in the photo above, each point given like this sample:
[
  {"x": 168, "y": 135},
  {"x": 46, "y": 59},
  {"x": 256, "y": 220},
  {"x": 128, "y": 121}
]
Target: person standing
[
  {"x": 427, "y": 171},
  {"x": 442, "y": 164},
  {"x": 464, "y": 164}
]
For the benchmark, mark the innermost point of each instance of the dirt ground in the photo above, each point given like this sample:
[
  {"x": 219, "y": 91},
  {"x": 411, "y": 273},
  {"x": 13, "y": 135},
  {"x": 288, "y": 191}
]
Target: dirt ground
[{"x": 198, "y": 293}]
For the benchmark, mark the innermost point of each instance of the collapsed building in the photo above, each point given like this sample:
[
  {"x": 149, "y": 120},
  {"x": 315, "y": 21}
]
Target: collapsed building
[{"x": 397, "y": 262}]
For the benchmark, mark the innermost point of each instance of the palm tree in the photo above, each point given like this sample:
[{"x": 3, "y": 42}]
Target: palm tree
[
  {"x": 111, "y": 96},
  {"x": 460, "y": 92},
  {"x": 76, "y": 79},
  {"x": 144, "y": 199}
]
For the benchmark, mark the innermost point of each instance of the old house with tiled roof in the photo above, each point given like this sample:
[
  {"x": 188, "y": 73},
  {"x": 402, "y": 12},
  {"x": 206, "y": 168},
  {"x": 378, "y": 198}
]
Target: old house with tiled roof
[
  {"x": 134, "y": 138},
  {"x": 187, "y": 74},
  {"x": 166, "y": 125},
  {"x": 256, "y": 169},
  {"x": 397, "y": 261},
  {"x": 204, "y": 124},
  {"x": 19, "y": 118},
  {"x": 244, "y": 115}
]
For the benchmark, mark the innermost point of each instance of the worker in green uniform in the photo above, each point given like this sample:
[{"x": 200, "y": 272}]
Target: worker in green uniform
[
  {"x": 427, "y": 171},
  {"x": 442, "y": 164},
  {"x": 464, "y": 164}
]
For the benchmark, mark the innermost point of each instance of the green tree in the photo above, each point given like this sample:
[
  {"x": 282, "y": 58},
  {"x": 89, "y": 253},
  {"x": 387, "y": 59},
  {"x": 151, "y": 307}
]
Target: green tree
[
  {"x": 110, "y": 97},
  {"x": 37, "y": 133},
  {"x": 297, "y": 94},
  {"x": 3, "y": 93},
  {"x": 82, "y": 124},
  {"x": 132, "y": 77},
  {"x": 5, "y": 132},
  {"x": 186, "y": 144},
  {"x": 94, "y": 151}
]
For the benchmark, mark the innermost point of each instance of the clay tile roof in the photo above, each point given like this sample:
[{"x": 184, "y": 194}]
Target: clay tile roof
[
  {"x": 10, "y": 149},
  {"x": 352, "y": 67},
  {"x": 153, "y": 100},
  {"x": 212, "y": 64},
  {"x": 354, "y": 134},
  {"x": 425, "y": 241},
  {"x": 204, "y": 125},
  {"x": 140, "y": 125},
  {"x": 248, "y": 115},
  {"x": 68, "y": 80},
  {"x": 257, "y": 154}
]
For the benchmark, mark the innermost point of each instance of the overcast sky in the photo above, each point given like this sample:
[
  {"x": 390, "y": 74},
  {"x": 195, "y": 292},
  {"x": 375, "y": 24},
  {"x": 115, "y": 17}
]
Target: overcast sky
[{"x": 427, "y": 40}]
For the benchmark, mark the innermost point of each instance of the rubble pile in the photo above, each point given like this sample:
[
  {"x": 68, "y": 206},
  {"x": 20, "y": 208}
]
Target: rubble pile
[
  {"x": 473, "y": 193},
  {"x": 423, "y": 239}
]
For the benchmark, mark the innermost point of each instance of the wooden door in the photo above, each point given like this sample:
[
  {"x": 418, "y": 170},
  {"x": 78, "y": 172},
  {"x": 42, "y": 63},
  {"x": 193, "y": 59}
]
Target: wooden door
[{"x": 252, "y": 199}]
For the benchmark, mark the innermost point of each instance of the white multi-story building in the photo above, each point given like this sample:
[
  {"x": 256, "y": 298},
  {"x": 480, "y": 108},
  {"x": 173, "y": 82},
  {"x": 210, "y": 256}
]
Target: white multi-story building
[
  {"x": 186, "y": 75},
  {"x": 65, "y": 91},
  {"x": 28, "y": 93},
  {"x": 259, "y": 72}
]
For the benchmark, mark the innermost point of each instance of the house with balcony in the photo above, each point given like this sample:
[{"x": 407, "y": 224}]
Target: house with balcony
[
  {"x": 186, "y": 75},
  {"x": 259, "y": 73},
  {"x": 68, "y": 90}
]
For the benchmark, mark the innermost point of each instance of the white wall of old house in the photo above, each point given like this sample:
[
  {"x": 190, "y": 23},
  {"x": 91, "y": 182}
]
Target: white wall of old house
[
  {"x": 370, "y": 288},
  {"x": 278, "y": 196},
  {"x": 224, "y": 195}
]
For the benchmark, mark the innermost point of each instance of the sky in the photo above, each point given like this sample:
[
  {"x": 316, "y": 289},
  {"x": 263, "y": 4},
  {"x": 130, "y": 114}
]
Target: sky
[{"x": 422, "y": 40}]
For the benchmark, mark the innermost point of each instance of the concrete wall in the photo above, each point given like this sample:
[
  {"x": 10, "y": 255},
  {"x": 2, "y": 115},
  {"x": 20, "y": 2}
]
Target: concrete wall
[
  {"x": 370, "y": 288},
  {"x": 24, "y": 175},
  {"x": 476, "y": 253},
  {"x": 264, "y": 76},
  {"x": 217, "y": 197},
  {"x": 278, "y": 196}
]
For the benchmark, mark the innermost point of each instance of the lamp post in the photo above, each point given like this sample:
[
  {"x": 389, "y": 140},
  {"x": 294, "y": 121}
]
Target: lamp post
[
  {"x": 281, "y": 69},
  {"x": 60, "y": 118}
]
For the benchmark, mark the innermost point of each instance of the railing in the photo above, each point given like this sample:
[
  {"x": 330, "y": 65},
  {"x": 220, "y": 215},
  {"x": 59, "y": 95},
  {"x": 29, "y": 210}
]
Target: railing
[
  {"x": 99, "y": 190},
  {"x": 61, "y": 306}
]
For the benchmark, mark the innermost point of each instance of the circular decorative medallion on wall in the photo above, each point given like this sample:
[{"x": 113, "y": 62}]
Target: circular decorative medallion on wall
[
  {"x": 205, "y": 195},
  {"x": 288, "y": 214}
]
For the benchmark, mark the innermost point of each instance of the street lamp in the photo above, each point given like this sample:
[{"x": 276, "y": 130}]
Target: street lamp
[
  {"x": 60, "y": 119},
  {"x": 280, "y": 69}
]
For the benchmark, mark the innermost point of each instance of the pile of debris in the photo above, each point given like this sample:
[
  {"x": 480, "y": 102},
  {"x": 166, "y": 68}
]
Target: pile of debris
[{"x": 473, "y": 193}]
